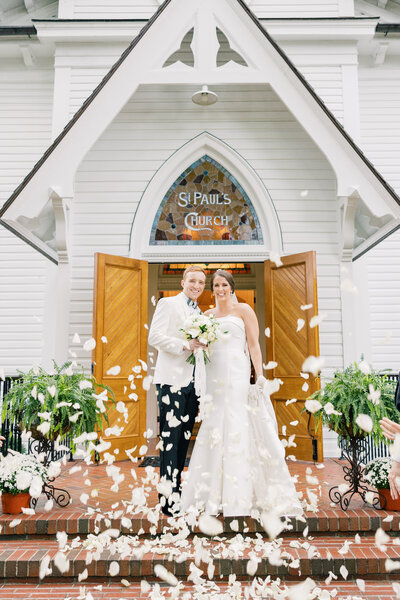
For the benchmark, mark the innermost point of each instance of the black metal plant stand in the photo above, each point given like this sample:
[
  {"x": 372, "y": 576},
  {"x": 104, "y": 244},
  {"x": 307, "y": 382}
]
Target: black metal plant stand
[
  {"x": 355, "y": 452},
  {"x": 58, "y": 495}
]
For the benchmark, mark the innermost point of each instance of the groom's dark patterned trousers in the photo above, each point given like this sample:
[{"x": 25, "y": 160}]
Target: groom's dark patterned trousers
[{"x": 181, "y": 406}]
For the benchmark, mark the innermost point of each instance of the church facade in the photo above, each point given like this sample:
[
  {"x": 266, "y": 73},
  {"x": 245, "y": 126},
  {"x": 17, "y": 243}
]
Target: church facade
[{"x": 139, "y": 136}]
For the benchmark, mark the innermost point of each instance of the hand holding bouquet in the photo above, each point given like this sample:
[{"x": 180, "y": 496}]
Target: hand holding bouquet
[{"x": 203, "y": 329}]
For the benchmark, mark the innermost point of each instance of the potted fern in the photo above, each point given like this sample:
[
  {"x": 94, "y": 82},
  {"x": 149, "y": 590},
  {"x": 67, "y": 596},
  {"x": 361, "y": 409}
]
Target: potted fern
[
  {"x": 352, "y": 404},
  {"x": 54, "y": 405},
  {"x": 350, "y": 395}
]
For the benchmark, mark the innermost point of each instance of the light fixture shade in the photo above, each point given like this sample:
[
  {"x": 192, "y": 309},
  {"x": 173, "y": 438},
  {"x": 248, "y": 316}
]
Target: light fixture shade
[{"x": 204, "y": 97}]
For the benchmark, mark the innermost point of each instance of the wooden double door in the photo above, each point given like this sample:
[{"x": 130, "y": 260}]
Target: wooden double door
[{"x": 121, "y": 329}]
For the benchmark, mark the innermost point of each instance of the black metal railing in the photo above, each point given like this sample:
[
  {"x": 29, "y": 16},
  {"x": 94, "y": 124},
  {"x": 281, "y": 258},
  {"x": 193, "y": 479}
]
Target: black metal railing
[
  {"x": 9, "y": 429},
  {"x": 12, "y": 434}
]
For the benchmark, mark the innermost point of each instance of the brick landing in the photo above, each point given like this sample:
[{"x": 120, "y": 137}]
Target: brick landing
[{"x": 74, "y": 519}]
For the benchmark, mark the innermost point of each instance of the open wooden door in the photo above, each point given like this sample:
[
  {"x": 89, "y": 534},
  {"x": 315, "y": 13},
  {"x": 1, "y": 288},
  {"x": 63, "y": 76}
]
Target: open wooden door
[
  {"x": 119, "y": 315},
  {"x": 287, "y": 288}
]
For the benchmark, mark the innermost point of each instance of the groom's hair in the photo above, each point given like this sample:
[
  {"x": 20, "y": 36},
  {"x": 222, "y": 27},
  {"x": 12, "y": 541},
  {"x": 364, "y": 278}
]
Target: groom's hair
[{"x": 193, "y": 268}]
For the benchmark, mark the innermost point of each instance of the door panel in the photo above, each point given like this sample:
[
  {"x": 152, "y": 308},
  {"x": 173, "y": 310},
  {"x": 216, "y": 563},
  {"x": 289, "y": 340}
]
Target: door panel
[
  {"x": 287, "y": 288},
  {"x": 119, "y": 314}
]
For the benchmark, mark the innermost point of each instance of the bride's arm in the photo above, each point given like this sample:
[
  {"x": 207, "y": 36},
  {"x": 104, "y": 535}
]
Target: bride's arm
[{"x": 252, "y": 332}]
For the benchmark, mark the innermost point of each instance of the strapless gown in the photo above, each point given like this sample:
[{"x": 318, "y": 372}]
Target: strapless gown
[{"x": 238, "y": 466}]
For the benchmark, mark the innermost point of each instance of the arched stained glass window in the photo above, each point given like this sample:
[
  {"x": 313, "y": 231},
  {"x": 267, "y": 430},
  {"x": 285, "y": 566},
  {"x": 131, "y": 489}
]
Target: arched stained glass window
[{"x": 206, "y": 205}]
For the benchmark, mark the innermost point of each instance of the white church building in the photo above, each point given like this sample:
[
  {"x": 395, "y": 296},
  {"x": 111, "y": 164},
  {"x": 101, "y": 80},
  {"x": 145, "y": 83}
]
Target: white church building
[{"x": 138, "y": 136}]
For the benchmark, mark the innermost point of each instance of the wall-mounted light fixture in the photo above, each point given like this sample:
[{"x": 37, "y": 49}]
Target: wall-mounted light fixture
[{"x": 204, "y": 97}]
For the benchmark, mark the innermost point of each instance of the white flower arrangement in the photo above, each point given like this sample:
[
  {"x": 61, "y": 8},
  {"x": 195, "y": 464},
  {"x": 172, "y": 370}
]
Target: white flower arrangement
[
  {"x": 377, "y": 471},
  {"x": 205, "y": 329},
  {"x": 21, "y": 473}
]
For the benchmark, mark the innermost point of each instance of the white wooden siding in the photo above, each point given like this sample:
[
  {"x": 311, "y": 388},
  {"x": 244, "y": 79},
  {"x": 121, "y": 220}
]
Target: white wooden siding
[
  {"x": 25, "y": 123},
  {"x": 380, "y": 138},
  {"x": 151, "y": 127},
  {"x": 145, "y": 8}
]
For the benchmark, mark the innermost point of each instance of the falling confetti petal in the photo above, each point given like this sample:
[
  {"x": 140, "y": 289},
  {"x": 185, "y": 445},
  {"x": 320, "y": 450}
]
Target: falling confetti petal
[
  {"x": 275, "y": 258},
  {"x": 306, "y": 306},
  {"x": 300, "y": 324},
  {"x": 271, "y": 365},
  {"x": 316, "y": 320},
  {"x": 210, "y": 525},
  {"x": 161, "y": 572},
  {"x": 44, "y": 567},
  {"x": 89, "y": 345},
  {"x": 364, "y": 367},
  {"x": 360, "y": 584},
  {"x": 313, "y": 405},
  {"x": 343, "y": 571},
  {"x": 313, "y": 364},
  {"x": 392, "y": 565},
  {"x": 114, "y": 568},
  {"x": 114, "y": 370},
  {"x": 365, "y": 423}
]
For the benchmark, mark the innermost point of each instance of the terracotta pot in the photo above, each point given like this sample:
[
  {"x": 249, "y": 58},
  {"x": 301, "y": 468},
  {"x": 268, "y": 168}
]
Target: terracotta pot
[
  {"x": 390, "y": 503},
  {"x": 13, "y": 504}
]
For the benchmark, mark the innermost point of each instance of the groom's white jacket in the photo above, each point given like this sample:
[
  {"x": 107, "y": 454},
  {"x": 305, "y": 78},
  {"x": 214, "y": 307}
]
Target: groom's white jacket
[{"x": 171, "y": 367}]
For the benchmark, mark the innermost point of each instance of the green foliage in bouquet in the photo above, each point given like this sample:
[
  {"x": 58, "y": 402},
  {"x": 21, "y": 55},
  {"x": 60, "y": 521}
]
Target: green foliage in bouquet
[
  {"x": 377, "y": 472},
  {"x": 351, "y": 393},
  {"x": 62, "y": 399}
]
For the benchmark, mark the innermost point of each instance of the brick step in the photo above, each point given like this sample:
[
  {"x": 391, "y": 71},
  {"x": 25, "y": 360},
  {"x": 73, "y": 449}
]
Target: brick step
[
  {"x": 374, "y": 590},
  {"x": 314, "y": 557},
  {"x": 79, "y": 523}
]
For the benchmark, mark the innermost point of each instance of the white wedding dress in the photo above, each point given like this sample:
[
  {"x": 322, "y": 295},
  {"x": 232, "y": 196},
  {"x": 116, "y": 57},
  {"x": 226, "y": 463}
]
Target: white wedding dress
[{"x": 238, "y": 466}]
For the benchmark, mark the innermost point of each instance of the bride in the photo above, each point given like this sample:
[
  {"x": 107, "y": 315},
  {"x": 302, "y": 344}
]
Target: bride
[{"x": 238, "y": 464}]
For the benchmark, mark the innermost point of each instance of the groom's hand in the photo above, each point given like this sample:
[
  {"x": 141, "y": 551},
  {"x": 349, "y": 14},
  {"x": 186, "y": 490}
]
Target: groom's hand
[{"x": 194, "y": 344}]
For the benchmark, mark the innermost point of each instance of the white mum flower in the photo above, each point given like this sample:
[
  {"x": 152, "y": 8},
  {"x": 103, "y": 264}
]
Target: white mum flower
[{"x": 23, "y": 480}]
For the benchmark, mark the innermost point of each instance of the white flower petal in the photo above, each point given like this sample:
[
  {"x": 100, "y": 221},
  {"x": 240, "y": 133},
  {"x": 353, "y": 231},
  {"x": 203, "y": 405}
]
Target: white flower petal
[
  {"x": 114, "y": 370},
  {"x": 161, "y": 572},
  {"x": 114, "y": 568},
  {"x": 313, "y": 405},
  {"x": 89, "y": 345},
  {"x": 210, "y": 525},
  {"x": 365, "y": 423}
]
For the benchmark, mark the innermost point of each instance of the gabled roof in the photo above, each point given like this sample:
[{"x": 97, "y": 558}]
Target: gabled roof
[{"x": 387, "y": 190}]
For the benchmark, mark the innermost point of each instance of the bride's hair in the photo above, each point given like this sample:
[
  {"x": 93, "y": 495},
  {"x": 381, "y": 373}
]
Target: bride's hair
[{"x": 226, "y": 275}]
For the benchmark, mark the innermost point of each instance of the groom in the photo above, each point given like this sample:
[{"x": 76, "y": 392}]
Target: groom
[{"x": 173, "y": 376}]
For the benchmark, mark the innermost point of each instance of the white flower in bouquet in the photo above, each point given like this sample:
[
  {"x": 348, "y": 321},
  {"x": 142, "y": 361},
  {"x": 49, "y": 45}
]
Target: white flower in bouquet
[{"x": 202, "y": 328}]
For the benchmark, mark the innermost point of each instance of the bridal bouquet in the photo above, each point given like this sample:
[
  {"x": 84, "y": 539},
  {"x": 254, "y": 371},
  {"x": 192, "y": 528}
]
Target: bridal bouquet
[{"x": 204, "y": 329}]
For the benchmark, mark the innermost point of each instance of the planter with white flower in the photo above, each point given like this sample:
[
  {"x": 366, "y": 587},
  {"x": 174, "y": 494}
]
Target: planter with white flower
[
  {"x": 22, "y": 477},
  {"x": 54, "y": 406},
  {"x": 376, "y": 472},
  {"x": 352, "y": 403}
]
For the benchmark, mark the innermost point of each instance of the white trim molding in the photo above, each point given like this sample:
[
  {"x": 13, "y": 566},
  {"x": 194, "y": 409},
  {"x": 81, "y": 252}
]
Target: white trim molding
[{"x": 208, "y": 144}]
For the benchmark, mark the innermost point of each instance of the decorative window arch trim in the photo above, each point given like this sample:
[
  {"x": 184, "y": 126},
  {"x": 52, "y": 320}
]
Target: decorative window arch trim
[{"x": 164, "y": 178}]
